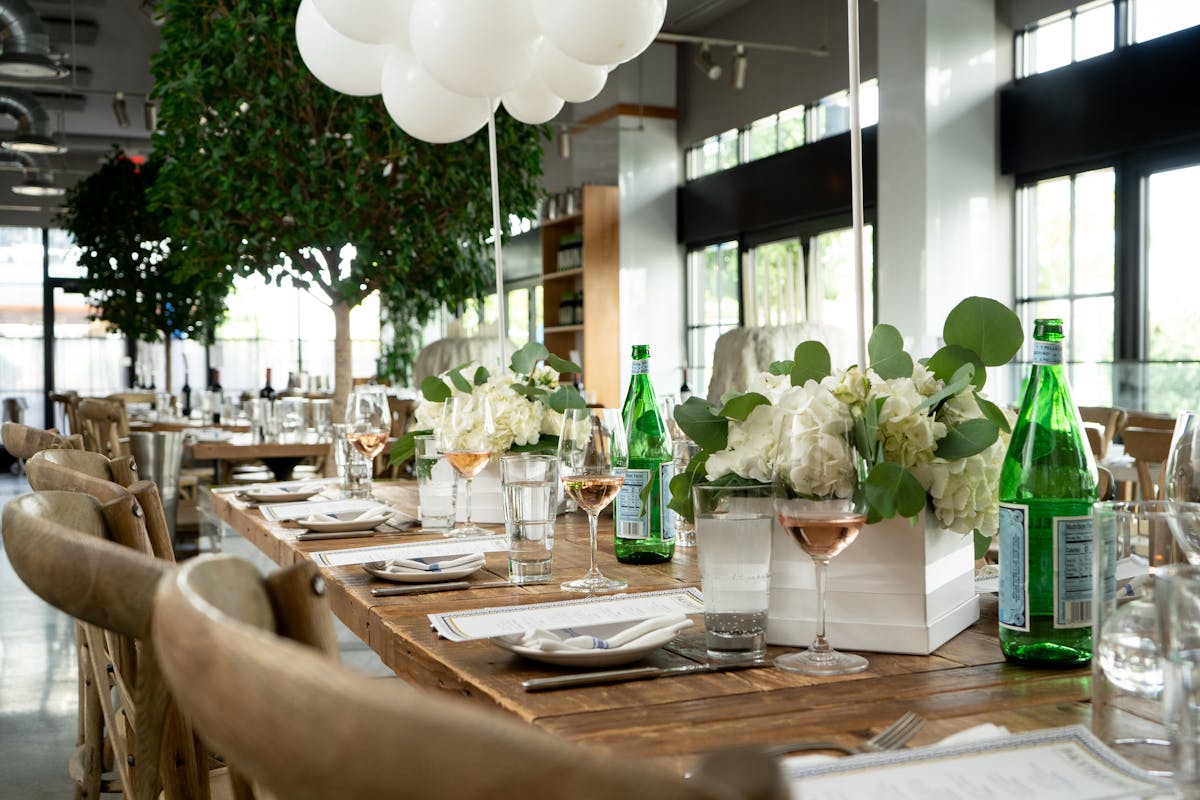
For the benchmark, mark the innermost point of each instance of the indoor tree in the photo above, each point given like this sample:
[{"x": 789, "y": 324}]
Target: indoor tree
[
  {"x": 131, "y": 279},
  {"x": 270, "y": 172}
]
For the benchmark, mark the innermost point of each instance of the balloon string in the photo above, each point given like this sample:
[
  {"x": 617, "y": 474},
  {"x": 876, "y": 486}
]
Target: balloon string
[{"x": 496, "y": 234}]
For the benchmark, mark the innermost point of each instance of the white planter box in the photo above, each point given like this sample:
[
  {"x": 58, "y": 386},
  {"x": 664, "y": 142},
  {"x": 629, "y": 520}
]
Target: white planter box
[
  {"x": 487, "y": 504},
  {"x": 896, "y": 589}
]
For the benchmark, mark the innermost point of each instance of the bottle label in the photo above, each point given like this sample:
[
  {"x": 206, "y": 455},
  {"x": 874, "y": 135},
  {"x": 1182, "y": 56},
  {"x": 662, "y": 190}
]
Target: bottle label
[
  {"x": 1014, "y": 571},
  {"x": 641, "y": 367},
  {"x": 666, "y": 471},
  {"x": 1072, "y": 572},
  {"x": 1047, "y": 353},
  {"x": 632, "y": 520}
]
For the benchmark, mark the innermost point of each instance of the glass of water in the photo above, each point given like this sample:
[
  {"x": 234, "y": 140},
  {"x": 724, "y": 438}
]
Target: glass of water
[
  {"x": 734, "y": 525},
  {"x": 530, "y": 484},
  {"x": 437, "y": 486}
]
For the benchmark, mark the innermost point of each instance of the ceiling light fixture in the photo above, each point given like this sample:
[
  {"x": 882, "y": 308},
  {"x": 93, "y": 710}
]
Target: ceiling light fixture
[
  {"x": 150, "y": 115},
  {"x": 37, "y": 188},
  {"x": 564, "y": 142},
  {"x": 705, "y": 63},
  {"x": 737, "y": 78},
  {"x": 120, "y": 109},
  {"x": 26, "y": 47},
  {"x": 34, "y": 132},
  {"x": 39, "y": 179}
]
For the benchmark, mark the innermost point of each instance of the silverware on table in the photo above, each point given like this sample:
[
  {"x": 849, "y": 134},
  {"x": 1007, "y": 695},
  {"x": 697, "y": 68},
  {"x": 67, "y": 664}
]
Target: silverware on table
[
  {"x": 893, "y": 737},
  {"x": 445, "y": 586},
  {"x": 634, "y": 674},
  {"x": 309, "y": 536}
]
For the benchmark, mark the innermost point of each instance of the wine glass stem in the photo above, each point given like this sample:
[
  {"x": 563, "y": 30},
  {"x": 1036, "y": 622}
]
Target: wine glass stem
[
  {"x": 592, "y": 522},
  {"x": 820, "y": 644},
  {"x": 468, "y": 499}
]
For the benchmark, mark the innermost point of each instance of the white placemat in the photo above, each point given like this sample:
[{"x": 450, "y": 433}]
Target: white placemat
[
  {"x": 411, "y": 550},
  {"x": 281, "y": 512}
]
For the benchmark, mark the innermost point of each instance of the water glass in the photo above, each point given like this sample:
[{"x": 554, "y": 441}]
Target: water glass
[
  {"x": 437, "y": 486},
  {"x": 1177, "y": 597},
  {"x": 342, "y": 452},
  {"x": 683, "y": 450},
  {"x": 530, "y": 489},
  {"x": 734, "y": 525}
]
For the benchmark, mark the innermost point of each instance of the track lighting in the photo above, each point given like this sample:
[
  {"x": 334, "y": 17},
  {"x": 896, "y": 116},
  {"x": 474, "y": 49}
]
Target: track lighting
[
  {"x": 120, "y": 110},
  {"x": 705, "y": 63},
  {"x": 740, "y": 63},
  {"x": 150, "y": 115},
  {"x": 564, "y": 142}
]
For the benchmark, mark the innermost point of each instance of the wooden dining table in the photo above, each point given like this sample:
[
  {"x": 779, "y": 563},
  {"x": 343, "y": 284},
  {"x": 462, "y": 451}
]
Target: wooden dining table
[
  {"x": 963, "y": 683},
  {"x": 281, "y": 457}
]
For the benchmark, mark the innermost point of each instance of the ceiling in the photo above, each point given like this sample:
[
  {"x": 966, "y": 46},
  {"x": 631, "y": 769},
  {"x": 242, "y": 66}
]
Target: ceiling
[{"x": 108, "y": 45}]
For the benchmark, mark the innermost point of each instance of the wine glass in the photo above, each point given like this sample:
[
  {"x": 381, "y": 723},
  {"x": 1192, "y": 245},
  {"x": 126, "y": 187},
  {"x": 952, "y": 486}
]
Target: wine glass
[
  {"x": 593, "y": 456},
  {"x": 465, "y": 439},
  {"x": 820, "y": 502},
  {"x": 369, "y": 424},
  {"x": 1182, "y": 483}
]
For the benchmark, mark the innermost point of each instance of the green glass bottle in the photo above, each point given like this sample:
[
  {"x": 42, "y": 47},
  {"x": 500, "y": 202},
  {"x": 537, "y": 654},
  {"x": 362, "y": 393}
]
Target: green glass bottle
[
  {"x": 644, "y": 533},
  {"x": 1047, "y": 488}
]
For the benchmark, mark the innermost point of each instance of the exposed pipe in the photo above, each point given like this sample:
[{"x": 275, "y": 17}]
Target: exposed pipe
[
  {"x": 34, "y": 131},
  {"x": 25, "y": 44},
  {"x": 39, "y": 178}
]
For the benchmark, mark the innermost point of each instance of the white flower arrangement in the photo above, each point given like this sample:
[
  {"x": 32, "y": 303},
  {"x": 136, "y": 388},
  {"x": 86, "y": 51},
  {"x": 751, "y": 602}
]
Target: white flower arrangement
[{"x": 925, "y": 430}]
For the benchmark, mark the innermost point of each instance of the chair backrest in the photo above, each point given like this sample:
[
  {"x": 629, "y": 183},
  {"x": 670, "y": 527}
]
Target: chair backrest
[
  {"x": 67, "y": 404},
  {"x": 742, "y": 353},
  {"x": 1110, "y": 419},
  {"x": 1105, "y": 484},
  {"x": 273, "y": 709},
  {"x": 1149, "y": 448},
  {"x": 23, "y": 441},
  {"x": 105, "y": 426},
  {"x": 402, "y": 414},
  {"x": 1144, "y": 419}
]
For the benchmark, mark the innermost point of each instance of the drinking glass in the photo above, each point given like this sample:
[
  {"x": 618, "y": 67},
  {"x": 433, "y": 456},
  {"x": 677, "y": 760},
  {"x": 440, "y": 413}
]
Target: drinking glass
[
  {"x": 1182, "y": 481},
  {"x": 593, "y": 456},
  {"x": 820, "y": 502},
  {"x": 370, "y": 423},
  {"x": 465, "y": 439}
]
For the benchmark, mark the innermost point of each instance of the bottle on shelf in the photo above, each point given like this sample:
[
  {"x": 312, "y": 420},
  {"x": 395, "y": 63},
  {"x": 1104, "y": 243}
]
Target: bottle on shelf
[
  {"x": 267, "y": 392},
  {"x": 645, "y": 532},
  {"x": 1047, "y": 487},
  {"x": 185, "y": 395},
  {"x": 685, "y": 391}
]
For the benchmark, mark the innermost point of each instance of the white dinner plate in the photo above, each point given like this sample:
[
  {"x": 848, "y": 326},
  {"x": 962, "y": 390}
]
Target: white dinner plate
[
  {"x": 453, "y": 574},
  {"x": 281, "y": 495},
  {"x": 346, "y": 521},
  {"x": 592, "y": 658}
]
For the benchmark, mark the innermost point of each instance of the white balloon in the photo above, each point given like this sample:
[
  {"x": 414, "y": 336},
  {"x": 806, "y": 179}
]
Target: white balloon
[
  {"x": 532, "y": 102},
  {"x": 600, "y": 32},
  {"x": 480, "y": 48},
  {"x": 348, "y": 66},
  {"x": 571, "y": 80},
  {"x": 370, "y": 21},
  {"x": 424, "y": 108}
]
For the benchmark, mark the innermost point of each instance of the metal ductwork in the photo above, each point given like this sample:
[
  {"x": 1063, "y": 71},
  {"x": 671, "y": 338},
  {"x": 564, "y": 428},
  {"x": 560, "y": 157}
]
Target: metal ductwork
[
  {"x": 34, "y": 132},
  {"x": 39, "y": 178},
  {"x": 24, "y": 44}
]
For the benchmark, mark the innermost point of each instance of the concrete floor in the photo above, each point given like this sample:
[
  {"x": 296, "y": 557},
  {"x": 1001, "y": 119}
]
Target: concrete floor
[{"x": 38, "y": 701}]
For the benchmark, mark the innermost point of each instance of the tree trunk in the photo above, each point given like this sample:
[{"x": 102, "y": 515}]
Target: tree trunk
[
  {"x": 341, "y": 358},
  {"x": 166, "y": 387}
]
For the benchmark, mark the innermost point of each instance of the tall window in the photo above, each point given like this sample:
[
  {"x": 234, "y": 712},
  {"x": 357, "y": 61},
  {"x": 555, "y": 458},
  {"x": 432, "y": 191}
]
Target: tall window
[
  {"x": 1067, "y": 270},
  {"x": 714, "y": 305}
]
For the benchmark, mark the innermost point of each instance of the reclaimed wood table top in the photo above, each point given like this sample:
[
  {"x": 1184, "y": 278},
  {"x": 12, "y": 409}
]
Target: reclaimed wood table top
[
  {"x": 964, "y": 683},
  {"x": 245, "y": 446}
]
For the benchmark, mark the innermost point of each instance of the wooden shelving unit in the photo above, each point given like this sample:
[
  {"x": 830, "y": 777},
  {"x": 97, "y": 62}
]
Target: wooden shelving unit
[{"x": 596, "y": 340}]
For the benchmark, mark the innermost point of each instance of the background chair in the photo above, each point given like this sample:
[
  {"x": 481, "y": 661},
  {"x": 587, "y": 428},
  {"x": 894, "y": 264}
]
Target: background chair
[
  {"x": 105, "y": 426},
  {"x": 273, "y": 708},
  {"x": 22, "y": 441},
  {"x": 1149, "y": 448},
  {"x": 66, "y": 412},
  {"x": 1110, "y": 419},
  {"x": 742, "y": 353},
  {"x": 402, "y": 412}
]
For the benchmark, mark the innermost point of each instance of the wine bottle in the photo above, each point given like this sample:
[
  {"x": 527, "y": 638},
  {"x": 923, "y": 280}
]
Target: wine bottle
[
  {"x": 1047, "y": 487},
  {"x": 186, "y": 394},
  {"x": 267, "y": 392},
  {"x": 685, "y": 391},
  {"x": 218, "y": 397},
  {"x": 645, "y": 533}
]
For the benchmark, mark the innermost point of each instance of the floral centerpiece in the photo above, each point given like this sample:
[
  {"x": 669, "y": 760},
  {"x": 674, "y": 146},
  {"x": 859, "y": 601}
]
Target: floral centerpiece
[
  {"x": 926, "y": 430},
  {"x": 526, "y": 399}
]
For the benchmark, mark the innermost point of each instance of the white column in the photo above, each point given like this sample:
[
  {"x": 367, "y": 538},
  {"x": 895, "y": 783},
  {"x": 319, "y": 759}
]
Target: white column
[{"x": 945, "y": 212}]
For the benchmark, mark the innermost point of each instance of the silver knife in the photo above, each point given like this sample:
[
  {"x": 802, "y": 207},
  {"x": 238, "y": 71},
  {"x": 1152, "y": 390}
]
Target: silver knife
[
  {"x": 634, "y": 674},
  {"x": 445, "y": 586}
]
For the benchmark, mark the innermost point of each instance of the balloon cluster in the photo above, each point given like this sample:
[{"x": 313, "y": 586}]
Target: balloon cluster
[{"x": 443, "y": 65}]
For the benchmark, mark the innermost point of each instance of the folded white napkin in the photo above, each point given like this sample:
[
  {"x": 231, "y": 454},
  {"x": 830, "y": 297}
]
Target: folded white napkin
[
  {"x": 569, "y": 639},
  {"x": 433, "y": 564},
  {"x": 380, "y": 513}
]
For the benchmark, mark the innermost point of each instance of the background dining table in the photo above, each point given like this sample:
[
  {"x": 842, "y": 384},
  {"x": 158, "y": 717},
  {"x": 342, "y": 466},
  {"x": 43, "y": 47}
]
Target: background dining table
[
  {"x": 963, "y": 683},
  {"x": 281, "y": 457}
]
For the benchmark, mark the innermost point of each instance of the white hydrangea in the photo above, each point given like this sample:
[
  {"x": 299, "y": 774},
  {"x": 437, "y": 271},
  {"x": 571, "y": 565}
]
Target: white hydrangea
[
  {"x": 963, "y": 492},
  {"x": 517, "y": 420}
]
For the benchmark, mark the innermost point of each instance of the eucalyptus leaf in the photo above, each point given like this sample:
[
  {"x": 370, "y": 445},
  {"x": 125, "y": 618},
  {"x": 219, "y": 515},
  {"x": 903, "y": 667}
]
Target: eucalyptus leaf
[
  {"x": 525, "y": 359},
  {"x": 886, "y": 349},
  {"x": 960, "y": 380},
  {"x": 810, "y": 362},
  {"x": 481, "y": 376},
  {"x": 525, "y": 390},
  {"x": 435, "y": 390},
  {"x": 405, "y": 447},
  {"x": 681, "y": 486},
  {"x": 702, "y": 424},
  {"x": 561, "y": 365},
  {"x": 986, "y": 326},
  {"x": 993, "y": 413},
  {"x": 738, "y": 408},
  {"x": 781, "y": 367},
  {"x": 967, "y": 439},
  {"x": 460, "y": 383},
  {"x": 982, "y": 544},
  {"x": 947, "y": 361},
  {"x": 892, "y": 490},
  {"x": 565, "y": 397}
]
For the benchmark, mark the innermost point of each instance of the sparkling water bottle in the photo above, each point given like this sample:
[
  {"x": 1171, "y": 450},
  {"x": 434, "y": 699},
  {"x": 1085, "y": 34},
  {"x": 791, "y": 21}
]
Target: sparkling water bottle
[{"x": 644, "y": 531}]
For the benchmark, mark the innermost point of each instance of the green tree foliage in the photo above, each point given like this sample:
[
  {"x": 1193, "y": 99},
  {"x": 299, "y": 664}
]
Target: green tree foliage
[
  {"x": 131, "y": 277},
  {"x": 269, "y": 171}
]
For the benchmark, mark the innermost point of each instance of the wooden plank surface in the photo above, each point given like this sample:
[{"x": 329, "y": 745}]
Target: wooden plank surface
[
  {"x": 963, "y": 683},
  {"x": 243, "y": 446}
]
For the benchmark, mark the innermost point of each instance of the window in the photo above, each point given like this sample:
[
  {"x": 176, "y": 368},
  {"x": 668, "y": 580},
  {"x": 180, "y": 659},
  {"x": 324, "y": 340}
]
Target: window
[
  {"x": 1066, "y": 269},
  {"x": 1153, "y": 18},
  {"x": 21, "y": 319},
  {"x": 714, "y": 305},
  {"x": 1074, "y": 35}
]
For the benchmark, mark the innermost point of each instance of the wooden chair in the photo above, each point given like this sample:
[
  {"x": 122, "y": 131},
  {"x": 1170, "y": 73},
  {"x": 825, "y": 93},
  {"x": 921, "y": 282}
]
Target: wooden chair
[
  {"x": 1149, "y": 448},
  {"x": 22, "y": 441},
  {"x": 105, "y": 426},
  {"x": 1110, "y": 419},
  {"x": 274, "y": 708},
  {"x": 1105, "y": 485},
  {"x": 403, "y": 413},
  {"x": 1144, "y": 419},
  {"x": 66, "y": 408}
]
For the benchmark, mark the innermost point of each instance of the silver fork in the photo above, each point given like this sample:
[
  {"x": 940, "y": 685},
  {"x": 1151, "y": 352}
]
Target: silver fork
[{"x": 893, "y": 737}]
